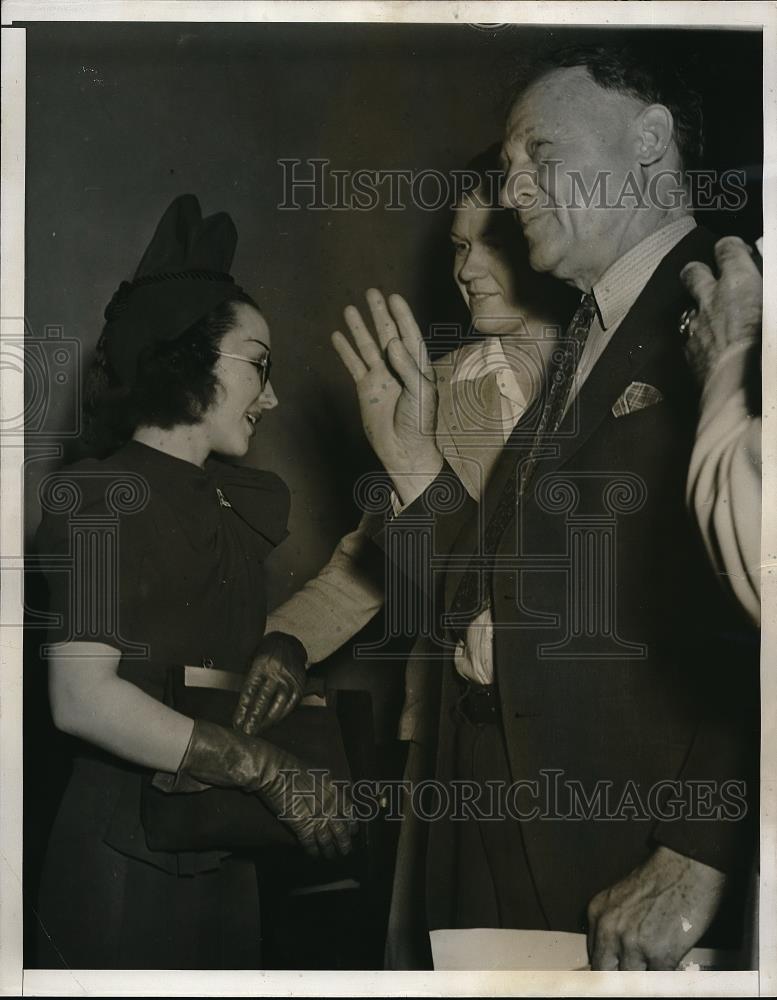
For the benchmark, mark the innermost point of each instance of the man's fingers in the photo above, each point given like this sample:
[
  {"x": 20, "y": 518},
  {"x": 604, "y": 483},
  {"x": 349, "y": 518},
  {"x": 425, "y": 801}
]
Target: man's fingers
[
  {"x": 364, "y": 340},
  {"x": 385, "y": 326},
  {"x": 349, "y": 357},
  {"x": 632, "y": 958},
  {"x": 405, "y": 366},
  {"x": 732, "y": 253},
  {"x": 410, "y": 333},
  {"x": 661, "y": 963},
  {"x": 396, "y": 320},
  {"x": 632, "y": 962},
  {"x": 606, "y": 950},
  {"x": 699, "y": 281}
]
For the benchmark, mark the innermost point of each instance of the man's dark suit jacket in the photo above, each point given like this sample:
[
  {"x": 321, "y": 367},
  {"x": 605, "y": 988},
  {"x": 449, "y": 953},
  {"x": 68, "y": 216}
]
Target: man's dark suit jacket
[{"x": 679, "y": 701}]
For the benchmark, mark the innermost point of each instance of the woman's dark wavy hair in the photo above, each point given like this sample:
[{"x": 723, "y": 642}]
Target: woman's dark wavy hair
[{"x": 175, "y": 383}]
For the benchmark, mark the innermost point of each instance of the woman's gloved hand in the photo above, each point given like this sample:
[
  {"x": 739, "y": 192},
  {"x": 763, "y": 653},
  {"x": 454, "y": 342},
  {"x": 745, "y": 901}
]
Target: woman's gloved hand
[
  {"x": 316, "y": 811},
  {"x": 274, "y": 684}
]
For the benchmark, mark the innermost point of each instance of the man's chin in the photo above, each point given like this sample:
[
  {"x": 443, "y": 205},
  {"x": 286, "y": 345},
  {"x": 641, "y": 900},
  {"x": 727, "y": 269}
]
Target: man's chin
[{"x": 541, "y": 257}]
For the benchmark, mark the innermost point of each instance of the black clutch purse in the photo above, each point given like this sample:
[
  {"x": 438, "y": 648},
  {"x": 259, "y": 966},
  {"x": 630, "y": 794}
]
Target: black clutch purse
[{"x": 231, "y": 819}]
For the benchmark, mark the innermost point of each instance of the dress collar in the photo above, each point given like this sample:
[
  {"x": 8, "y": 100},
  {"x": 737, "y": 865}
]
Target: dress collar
[{"x": 259, "y": 498}]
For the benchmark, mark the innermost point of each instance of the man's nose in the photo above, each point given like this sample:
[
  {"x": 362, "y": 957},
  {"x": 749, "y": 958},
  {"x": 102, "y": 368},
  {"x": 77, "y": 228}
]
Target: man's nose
[
  {"x": 519, "y": 189},
  {"x": 267, "y": 398},
  {"x": 471, "y": 267}
]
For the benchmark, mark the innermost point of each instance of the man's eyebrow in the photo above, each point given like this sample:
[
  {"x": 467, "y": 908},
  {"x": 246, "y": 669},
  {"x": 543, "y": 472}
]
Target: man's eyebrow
[{"x": 518, "y": 131}]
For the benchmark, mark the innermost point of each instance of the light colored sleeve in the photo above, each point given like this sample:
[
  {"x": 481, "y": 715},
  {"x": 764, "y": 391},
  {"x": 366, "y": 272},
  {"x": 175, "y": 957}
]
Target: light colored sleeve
[
  {"x": 332, "y": 607},
  {"x": 724, "y": 478},
  {"x": 347, "y": 593}
]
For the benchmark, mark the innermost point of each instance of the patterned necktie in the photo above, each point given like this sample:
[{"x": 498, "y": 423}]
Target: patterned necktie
[{"x": 470, "y": 598}]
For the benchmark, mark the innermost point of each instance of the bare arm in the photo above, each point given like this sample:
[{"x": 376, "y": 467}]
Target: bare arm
[{"x": 89, "y": 700}]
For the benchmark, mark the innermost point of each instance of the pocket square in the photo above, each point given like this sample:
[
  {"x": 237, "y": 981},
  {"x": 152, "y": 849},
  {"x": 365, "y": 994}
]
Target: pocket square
[{"x": 636, "y": 396}]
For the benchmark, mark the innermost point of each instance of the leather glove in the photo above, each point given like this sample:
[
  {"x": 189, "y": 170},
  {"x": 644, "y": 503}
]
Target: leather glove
[
  {"x": 274, "y": 684},
  {"x": 309, "y": 804}
]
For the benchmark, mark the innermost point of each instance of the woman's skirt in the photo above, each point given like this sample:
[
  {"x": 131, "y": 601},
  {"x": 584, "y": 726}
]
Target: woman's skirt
[{"x": 101, "y": 908}]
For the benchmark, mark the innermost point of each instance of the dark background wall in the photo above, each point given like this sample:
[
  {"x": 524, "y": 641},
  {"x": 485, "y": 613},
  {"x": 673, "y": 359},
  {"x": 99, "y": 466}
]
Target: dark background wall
[{"x": 124, "y": 117}]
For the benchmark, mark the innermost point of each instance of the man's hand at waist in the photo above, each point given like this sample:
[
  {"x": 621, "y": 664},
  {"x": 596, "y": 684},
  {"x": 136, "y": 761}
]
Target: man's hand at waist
[{"x": 654, "y": 916}]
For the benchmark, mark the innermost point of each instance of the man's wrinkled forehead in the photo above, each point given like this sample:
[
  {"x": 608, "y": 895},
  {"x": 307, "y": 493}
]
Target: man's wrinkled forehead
[
  {"x": 544, "y": 103},
  {"x": 568, "y": 102}
]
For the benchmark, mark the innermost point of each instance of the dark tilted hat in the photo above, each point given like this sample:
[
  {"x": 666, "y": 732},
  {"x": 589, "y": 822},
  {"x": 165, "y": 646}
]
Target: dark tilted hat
[{"x": 182, "y": 276}]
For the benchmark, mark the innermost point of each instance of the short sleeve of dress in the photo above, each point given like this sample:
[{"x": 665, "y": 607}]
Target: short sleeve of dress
[
  {"x": 89, "y": 546},
  {"x": 261, "y": 499}
]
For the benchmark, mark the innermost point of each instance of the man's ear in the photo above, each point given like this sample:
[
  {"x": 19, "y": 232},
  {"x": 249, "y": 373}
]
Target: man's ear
[{"x": 655, "y": 130}]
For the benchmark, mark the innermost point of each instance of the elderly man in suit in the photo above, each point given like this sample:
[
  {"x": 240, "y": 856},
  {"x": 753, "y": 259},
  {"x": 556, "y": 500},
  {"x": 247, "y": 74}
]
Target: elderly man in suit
[{"x": 586, "y": 649}]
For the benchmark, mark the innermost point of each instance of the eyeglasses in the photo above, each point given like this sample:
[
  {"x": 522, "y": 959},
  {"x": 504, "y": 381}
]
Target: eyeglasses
[{"x": 262, "y": 365}]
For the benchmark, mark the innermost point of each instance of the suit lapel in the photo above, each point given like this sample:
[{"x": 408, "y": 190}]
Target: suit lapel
[{"x": 640, "y": 337}]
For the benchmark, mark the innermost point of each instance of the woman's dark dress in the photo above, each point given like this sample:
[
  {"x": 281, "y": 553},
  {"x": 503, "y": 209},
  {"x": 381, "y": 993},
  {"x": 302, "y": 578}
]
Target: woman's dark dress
[{"x": 190, "y": 588}]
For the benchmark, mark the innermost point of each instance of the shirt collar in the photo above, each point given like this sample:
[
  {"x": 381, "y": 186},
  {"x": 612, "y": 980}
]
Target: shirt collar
[
  {"x": 479, "y": 359},
  {"x": 484, "y": 358},
  {"x": 620, "y": 285}
]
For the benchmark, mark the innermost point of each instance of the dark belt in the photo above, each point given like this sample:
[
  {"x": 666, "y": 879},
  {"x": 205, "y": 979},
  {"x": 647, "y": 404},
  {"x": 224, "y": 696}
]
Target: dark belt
[{"x": 479, "y": 703}]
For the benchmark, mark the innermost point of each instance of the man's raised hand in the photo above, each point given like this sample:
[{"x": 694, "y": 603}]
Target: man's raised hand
[{"x": 396, "y": 387}]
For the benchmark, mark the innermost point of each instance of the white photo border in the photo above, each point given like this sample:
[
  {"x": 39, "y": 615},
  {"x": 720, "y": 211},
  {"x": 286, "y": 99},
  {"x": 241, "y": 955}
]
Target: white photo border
[{"x": 633, "y": 13}]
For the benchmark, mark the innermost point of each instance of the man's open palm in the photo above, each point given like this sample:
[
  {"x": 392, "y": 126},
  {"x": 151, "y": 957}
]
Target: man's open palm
[{"x": 396, "y": 387}]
